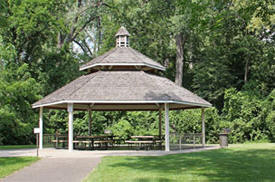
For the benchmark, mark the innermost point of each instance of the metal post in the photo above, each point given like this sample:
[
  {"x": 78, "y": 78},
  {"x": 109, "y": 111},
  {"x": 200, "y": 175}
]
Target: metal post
[
  {"x": 70, "y": 127},
  {"x": 203, "y": 127},
  {"x": 37, "y": 144},
  {"x": 41, "y": 128},
  {"x": 160, "y": 116},
  {"x": 167, "y": 142}
]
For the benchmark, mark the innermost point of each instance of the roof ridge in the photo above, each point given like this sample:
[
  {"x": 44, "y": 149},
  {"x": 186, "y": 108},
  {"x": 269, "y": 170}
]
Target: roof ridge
[
  {"x": 103, "y": 56},
  {"x": 89, "y": 79},
  {"x": 49, "y": 95},
  {"x": 140, "y": 55},
  {"x": 186, "y": 90},
  {"x": 109, "y": 52}
]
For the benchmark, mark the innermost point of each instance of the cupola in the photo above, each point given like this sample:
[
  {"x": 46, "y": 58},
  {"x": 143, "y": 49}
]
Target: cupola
[{"x": 122, "y": 37}]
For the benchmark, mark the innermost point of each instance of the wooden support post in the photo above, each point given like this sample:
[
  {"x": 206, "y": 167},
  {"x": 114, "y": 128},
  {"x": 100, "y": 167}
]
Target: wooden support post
[
  {"x": 160, "y": 121},
  {"x": 56, "y": 136},
  {"x": 167, "y": 142},
  {"x": 41, "y": 128},
  {"x": 70, "y": 127},
  {"x": 90, "y": 122},
  {"x": 203, "y": 127}
]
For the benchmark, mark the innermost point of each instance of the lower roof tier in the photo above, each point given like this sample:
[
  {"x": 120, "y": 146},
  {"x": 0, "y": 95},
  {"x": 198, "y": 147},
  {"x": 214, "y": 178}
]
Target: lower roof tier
[{"x": 121, "y": 90}]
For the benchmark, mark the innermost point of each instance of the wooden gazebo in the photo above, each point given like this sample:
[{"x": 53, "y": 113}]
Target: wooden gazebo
[{"x": 121, "y": 79}]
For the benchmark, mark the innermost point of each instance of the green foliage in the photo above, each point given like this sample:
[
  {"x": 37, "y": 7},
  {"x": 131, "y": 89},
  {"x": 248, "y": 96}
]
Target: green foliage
[
  {"x": 123, "y": 129},
  {"x": 248, "y": 116},
  {"x": 150, "y": 32},
  {"x": 144, "y": 123},
  {"x": 18, "y": 90},
  {"x": 269, "y": 113}
]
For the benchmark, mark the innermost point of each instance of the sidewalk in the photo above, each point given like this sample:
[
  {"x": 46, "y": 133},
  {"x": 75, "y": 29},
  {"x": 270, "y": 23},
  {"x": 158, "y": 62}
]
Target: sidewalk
[
  {"x": 63, "y": 153},
  {"x": 55, "y": 170}
]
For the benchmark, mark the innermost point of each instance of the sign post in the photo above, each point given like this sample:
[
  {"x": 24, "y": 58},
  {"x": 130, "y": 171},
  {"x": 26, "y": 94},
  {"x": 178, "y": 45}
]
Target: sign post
[{"x": 36, "y": 131}]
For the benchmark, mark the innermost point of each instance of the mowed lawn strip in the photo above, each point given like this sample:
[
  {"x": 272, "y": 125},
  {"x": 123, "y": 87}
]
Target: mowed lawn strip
[
  {"x": 245, "y": 162},
  {"x": 10, "y": 164},
  {"x": 10, "y": 147}
]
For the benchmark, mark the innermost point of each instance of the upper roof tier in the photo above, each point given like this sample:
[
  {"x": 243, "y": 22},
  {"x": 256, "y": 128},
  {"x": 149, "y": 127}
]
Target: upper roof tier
[{"x": 122, "y": 57}]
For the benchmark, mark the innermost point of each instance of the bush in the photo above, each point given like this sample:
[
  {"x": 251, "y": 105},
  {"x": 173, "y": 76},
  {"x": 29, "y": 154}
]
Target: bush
[
  {"x": 123, "y": 129},
  {"x": 249, "y": 117}
]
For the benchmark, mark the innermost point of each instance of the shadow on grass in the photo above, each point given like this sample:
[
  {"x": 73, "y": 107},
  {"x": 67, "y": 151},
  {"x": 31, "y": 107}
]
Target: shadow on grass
[{"x": 216, "y": 165}]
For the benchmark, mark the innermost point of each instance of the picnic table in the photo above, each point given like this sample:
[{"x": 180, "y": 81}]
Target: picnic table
[
  {"x": 147, "y": 142},
  {"x": 60, "y": 139},
  {"x": 93, "y": 142},
  {"x": 86, "y": 142}
]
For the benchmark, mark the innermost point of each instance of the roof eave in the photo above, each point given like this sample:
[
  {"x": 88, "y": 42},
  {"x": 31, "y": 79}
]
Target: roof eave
[
  {"x": 122, "y": 102},
  {"x": 122, "y": 64}
]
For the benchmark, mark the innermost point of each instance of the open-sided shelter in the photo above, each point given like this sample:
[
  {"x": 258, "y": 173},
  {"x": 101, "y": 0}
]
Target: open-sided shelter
[{"x": 122, "y": 79}]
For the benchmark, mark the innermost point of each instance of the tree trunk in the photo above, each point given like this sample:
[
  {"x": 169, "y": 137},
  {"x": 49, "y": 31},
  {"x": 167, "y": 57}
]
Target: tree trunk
[
  {"x": 60, "y": 40},
  {"x": 180, "y": 42},
  {"x": 99, "y": 33}
]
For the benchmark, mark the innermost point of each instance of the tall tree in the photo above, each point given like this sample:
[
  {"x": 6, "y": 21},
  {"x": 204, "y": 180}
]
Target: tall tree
[
  {"x": 188, "y": 20},
  {"x": 79, "y": 15}
]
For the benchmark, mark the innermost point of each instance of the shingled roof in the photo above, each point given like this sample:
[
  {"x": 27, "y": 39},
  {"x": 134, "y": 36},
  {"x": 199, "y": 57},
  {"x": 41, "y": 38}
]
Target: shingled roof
[
  {"x": 120, "y": 88},
  {"x": 122, "y": 56},
  {"x": 119, "y": 80}
]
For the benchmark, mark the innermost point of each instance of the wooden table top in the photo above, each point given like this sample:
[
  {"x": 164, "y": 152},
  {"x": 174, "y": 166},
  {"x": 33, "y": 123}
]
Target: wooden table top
[
  {"x": 93, "y": 137},
  {"x": 143, "y": 137}
]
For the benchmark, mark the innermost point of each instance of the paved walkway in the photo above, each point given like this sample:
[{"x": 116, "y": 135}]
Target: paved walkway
[
  {"x": 62, "y": 153},
  {"x": 64, "y": 166},
  {"x": 55, "y": 170}
]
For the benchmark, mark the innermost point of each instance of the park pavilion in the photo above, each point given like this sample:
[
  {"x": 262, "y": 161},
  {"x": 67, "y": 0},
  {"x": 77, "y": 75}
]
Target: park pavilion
[{"x": 122, "y": 79}]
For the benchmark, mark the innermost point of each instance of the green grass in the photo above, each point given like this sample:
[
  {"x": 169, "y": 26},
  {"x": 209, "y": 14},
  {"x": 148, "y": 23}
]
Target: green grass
[
  {"x": 8, "y": 147},
  {"x": 10, "y": 164},
  {"x": 242, "y": 162}
]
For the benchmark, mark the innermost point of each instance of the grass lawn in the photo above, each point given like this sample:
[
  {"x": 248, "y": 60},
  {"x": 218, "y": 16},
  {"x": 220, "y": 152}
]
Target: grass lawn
[
  {"x": 8, "y": 147},
  {"x": 10, "y": 164},
  {"x": 244, "y": 162}
]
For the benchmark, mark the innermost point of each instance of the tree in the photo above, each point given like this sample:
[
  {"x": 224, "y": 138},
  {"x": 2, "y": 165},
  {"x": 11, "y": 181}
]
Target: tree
[
  {"x": 188, "y": 20},
  {"x": 18, "y": 90},
  {"x": 79, "y": 15}
]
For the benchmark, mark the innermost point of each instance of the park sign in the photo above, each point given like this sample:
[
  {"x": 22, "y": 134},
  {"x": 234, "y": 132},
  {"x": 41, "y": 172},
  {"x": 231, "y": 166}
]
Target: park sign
[{"x": 36, "y": 130}]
